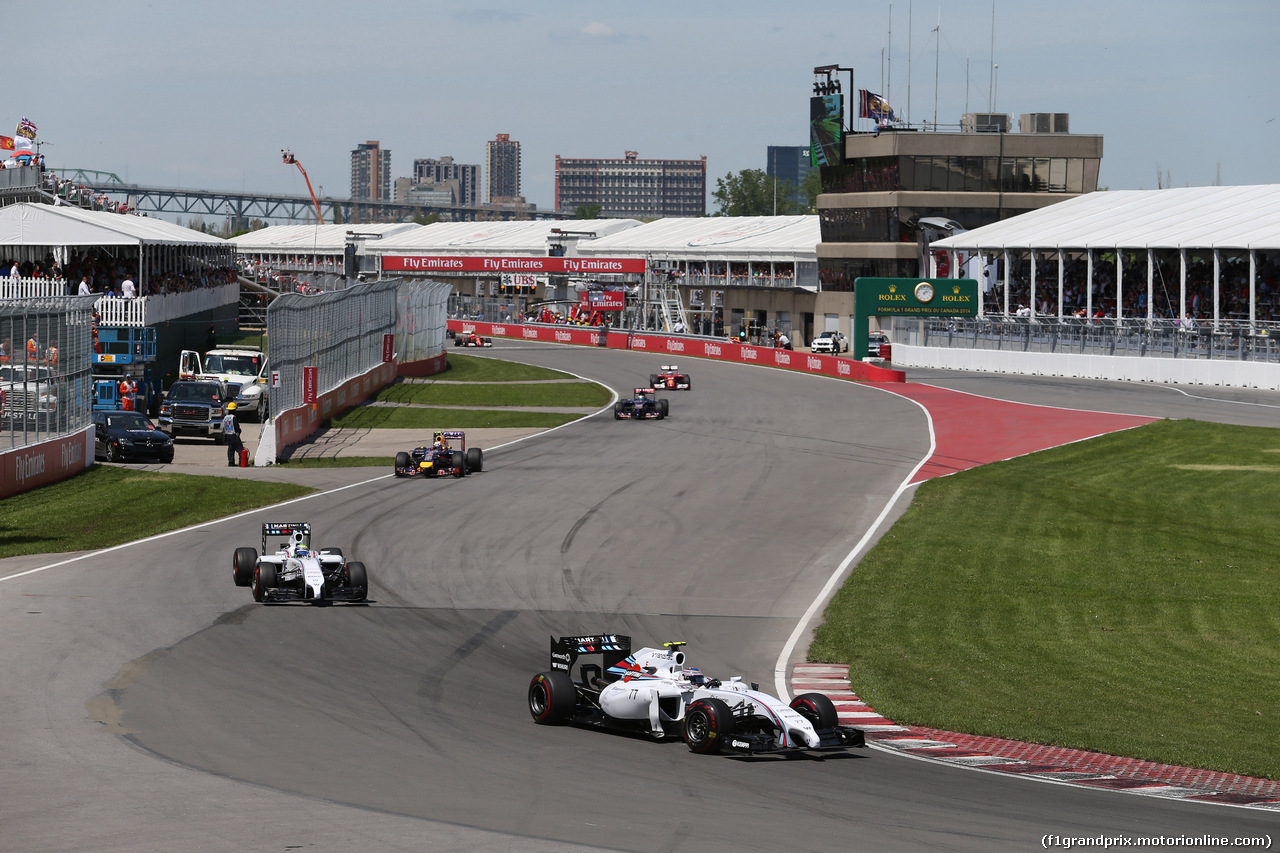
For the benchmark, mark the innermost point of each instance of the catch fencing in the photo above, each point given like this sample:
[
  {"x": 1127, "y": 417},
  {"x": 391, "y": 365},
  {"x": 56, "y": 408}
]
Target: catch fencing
[
  {"x": 340, "y": 333},
  {"x": 423, "y": 312},
  {"x": 46, "y": 368}
]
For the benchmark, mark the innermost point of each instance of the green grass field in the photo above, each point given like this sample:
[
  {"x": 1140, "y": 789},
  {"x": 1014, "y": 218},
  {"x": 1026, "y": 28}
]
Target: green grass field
[
  {"x": 108, "y": 506},
  {"x": 1117, "y": 595},
  {"x": 470, "y": 368},
  {"x": 578, "y": 394},
  {"x": 394, "y": 417}
]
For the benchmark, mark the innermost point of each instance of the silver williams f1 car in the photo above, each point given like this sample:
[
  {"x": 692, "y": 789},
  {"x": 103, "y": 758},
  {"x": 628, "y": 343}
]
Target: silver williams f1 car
[
  {"x": 654, "y": 692},
  {"x": 295, "y": 572}
]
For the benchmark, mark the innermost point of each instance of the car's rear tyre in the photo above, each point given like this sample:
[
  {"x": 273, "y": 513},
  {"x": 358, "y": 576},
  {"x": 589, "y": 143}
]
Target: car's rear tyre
[
  {"x": 264, "y": 578},
  {"x": 552, "y": 697},
  {"x": 817, "y": 709},
  {"x": 458, "y": 461},
  {"x": 708, "y": 723},
  {"x": 664, "y": 408},
  {"x": 358, "y": 579},
  {"x": 475, "y": 460},
  {"x": 242, "y": 564}
]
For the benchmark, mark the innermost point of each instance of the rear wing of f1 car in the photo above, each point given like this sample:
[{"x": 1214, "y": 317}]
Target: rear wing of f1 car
[
  {"x": 612, "y": 647},
  {"x": 283, "y": 532}
]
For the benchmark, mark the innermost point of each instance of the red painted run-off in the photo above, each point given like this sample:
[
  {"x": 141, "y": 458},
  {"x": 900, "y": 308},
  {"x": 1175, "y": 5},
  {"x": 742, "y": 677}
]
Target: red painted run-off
[{"x": 970, "y": 430}]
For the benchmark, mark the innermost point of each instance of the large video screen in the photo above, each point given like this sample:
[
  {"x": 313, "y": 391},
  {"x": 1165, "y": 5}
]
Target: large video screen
[{"x": 826, "y": 130}]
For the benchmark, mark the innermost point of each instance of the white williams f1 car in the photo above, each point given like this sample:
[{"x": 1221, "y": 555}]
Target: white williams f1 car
[
  {"x": 295, "y": 572},
  {"x": 652, "y": 691}
]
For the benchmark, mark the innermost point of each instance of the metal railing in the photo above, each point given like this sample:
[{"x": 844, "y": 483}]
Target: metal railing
[
  {"x": 1155, "y": 338},
  {"x": 338, "y": 332},
  {"x": 45, "y": 368}
]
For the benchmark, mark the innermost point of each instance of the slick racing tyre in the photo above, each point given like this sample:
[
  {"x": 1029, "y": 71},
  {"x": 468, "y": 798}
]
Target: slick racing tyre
[
  {"x": 242, "y": 565},
  {"x": 653, "y": 380},
  {"x": 664, "y": 408},
  {"x": 617, "y": 411},
  {"x": 402, "y": 461},
  {"x": 358, "y": 579},
  {"x": 475, "y": 460},
  {"x": 264, "y": 578},
  {"x": 817, "y": 709},
  {"x": 458, "y": 461},
  {"x": 552, "y": 697},
  {"x": 708, "y": 723}
]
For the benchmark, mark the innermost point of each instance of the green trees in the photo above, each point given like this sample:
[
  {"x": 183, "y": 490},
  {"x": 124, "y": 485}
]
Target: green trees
[{"x": 752, "y": 192}]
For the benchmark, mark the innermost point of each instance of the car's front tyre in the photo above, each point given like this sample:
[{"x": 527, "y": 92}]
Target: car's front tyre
[
  {"x": 358, "y": 579},
  {"x": 818, "y": 709},
  {"x": 708, "y": 723},
  {"x": 264, "y": 578},
  {"x": 552, "y": 697}
]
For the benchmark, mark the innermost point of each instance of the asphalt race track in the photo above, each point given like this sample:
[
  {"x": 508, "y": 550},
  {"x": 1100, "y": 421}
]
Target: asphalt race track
[{"x": 147, "y": 704}]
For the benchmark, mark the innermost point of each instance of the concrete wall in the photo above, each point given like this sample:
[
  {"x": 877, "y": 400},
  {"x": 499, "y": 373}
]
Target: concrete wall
[{"x": 1179, "y": 371}]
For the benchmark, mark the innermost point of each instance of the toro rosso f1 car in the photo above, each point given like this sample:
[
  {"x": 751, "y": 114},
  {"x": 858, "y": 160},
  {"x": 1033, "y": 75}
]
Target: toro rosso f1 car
[
  {"x": 295, "y": 572},
  {"x": 471, "y": 339},
  {"x": 641, "y": 407},
  {"x": 671, "y": 379},
  {"x": 654, "y": 692},
  {"x": 448, "y": 456}
]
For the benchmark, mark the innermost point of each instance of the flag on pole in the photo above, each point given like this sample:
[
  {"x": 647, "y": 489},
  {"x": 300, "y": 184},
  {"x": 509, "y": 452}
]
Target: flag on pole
[
  {"x": 872, "y": 106},
  {"x": 25, "y": 135},
  {"x": 6, "y": 143}
]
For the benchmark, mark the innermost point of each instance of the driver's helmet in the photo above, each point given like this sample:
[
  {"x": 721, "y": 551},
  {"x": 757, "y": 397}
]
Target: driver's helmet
[
  {"x": 301, "y": 551},
  {"x": 693, "y": 675},
  {"x": 439, "y": 445}
]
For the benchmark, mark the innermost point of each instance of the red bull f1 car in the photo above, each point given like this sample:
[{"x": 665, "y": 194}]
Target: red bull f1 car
[
  {"x": 653, "y": 691},
  {"x": 295, "y": 571},
  {"x": 446, "y": 456},
  {"x": 671, "y": 378},
  {"x": 642, "y": 406}
]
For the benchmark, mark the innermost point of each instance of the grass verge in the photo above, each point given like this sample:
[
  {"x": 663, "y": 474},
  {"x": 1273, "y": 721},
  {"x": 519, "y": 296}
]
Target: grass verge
[
  {"x": 389, "y": 417},
  {"x": 1116, "y": 595},
  {"x": 470, "y": 368},
  {"x": 88, "y": 508},
  {"x": 485, "y": 394},
  {"x": 387, "y": 462}
]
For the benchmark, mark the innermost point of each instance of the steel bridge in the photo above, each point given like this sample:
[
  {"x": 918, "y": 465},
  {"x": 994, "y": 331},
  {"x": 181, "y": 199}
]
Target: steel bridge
[{"x": 241, "y": 207}]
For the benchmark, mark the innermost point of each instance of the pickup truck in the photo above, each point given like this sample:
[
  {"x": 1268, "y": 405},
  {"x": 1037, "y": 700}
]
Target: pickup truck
[
  {"x": 194, "y": 407},
  {"x": 242, "y": 369}
]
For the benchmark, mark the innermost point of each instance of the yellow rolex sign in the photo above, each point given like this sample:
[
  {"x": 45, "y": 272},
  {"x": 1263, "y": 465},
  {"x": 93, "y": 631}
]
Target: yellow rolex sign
[{"x": 918, "y": 297}]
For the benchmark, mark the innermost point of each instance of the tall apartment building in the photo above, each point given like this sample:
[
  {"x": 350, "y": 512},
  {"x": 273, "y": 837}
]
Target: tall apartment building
[
  {"x": 461, "y": 179},
  {"x": 503, "y": 154},
  {"x": 371, "y": 172},
  {"x": 789, "y": 163},
  {"x": 631, "y": 187}
]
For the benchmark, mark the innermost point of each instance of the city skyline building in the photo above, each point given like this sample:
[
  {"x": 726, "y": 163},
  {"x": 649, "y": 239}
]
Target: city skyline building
[
  {"x": 632, "y": 187},
  {"x": 503, "y": 157},
  {"x": 371, "y": 172},
  {"x": 461, "y": 179}
]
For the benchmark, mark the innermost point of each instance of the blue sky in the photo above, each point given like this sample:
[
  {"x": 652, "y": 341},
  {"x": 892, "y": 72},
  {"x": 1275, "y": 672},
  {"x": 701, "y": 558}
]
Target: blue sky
[{"x": 204, "y": 95}]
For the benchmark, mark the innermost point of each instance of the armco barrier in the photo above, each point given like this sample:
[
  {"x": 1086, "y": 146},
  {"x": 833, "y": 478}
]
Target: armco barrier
[
  {"x": 423, "y": 367},
  {"x": 45, "y": 463},
  {"x": 667, "y": 345}
]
